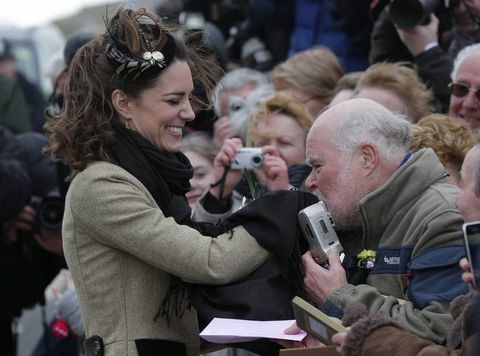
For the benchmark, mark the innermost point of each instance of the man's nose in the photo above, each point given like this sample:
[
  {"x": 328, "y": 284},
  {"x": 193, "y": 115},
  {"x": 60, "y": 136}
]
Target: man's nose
[{"x": 311, "y": 182}]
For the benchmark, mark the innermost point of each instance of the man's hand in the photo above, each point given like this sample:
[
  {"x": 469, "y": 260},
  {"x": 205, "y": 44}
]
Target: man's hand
[
  {"x": 418, "y": 37},
  {"x": 320, "y": 282},
  {"x": 467, "y": 275}
]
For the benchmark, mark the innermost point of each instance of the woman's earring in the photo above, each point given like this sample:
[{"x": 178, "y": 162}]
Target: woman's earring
[{"x": 127, "y": 123}]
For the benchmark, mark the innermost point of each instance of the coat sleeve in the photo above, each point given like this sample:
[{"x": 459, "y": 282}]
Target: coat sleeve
[
  {"x": 116, "y": 210},
  {"x": 377, "y": 335},
  {"x": 432, "y": 322},
  {"x": 435, "y": 281}
]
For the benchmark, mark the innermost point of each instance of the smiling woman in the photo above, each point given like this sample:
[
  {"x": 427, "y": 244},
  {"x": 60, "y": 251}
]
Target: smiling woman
[{"x": 127, "y": 236}]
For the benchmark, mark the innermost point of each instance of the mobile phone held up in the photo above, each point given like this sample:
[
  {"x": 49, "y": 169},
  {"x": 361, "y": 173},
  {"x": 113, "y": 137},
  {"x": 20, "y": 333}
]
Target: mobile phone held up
[
  {"x": 318, "y": 228},
  {"x": 471, "y": 235}
]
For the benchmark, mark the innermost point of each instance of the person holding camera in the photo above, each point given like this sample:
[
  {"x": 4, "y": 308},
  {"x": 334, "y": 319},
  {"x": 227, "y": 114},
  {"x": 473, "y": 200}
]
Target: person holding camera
[
  {"x": 431, "y": 41},
  {"x": 275, "y": 152},
  {"x": 128, "y": 238},
  {"x": 30, "y": 252}
]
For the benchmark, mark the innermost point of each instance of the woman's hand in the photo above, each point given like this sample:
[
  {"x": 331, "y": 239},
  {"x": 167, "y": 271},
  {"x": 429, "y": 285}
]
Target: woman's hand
[
  {"x": 307, "y": 342},
  {"x": 222, "y": 129},
  {"x": 339, "y": 340},
  {"x": 225, "y": 156},
  {"x": 275, "y": 169}
]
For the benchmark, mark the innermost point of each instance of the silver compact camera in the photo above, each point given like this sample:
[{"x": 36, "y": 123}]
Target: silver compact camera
[
  {"x": 318, "y": 228},
  {"x": 248, "y": 158}
]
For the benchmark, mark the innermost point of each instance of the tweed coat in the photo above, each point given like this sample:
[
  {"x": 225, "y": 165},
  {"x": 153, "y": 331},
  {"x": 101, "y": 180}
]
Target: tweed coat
[{"x": 122, "y": 252}]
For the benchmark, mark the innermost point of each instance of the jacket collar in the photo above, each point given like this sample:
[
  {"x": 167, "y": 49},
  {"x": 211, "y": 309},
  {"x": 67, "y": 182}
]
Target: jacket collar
[{"x": 404, "y": 186}]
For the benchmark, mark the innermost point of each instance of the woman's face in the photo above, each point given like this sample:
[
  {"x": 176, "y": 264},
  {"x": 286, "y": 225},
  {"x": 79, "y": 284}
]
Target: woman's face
[
  {"x": 286, "y": 134},
  {"x": 202, "y": 176},
  {"x": 160, "y": 113}
]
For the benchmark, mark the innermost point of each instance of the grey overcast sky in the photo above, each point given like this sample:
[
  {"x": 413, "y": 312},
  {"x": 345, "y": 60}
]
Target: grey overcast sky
[{"x": 27, "y": 13}]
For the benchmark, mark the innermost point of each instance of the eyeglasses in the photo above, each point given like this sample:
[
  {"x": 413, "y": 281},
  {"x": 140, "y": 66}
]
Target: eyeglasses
[{"x": 460, "y": 90}]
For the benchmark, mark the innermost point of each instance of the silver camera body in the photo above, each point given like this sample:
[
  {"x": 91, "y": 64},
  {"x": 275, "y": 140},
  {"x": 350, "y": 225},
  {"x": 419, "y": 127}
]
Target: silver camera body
[
  {"x": 248, "y": 158},
  {"x": 318, "y": 228}
]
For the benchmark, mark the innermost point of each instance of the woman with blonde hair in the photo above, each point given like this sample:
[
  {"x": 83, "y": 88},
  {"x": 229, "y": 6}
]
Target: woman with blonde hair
[
  {"x": 396, "y": 87},
  {"x": 279, "y": 126},
  {"x": 310, "y": 76},
  {"x": 449, "y": 138}
]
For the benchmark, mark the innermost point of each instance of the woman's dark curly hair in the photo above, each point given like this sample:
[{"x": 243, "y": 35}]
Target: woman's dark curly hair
[{"x": 82, "y": 132}]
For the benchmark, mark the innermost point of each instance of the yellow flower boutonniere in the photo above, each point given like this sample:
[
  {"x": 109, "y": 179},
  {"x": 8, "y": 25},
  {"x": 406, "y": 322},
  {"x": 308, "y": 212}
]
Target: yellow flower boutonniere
[{"x": 366, "y": 259}]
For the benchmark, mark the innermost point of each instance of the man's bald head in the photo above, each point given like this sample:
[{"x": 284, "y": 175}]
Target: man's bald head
[
  {"x": 358, "y": 121},
  {"x": 353, "y": 148}
]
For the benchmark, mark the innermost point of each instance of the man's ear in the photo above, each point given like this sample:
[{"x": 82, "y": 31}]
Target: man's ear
[
  {"x": 368, "y": 157},
  {"x": 121, "y": 102}
]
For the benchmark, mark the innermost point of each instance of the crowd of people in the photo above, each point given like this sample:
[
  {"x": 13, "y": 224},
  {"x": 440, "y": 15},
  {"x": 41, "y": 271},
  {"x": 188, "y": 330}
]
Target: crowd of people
[{"x": 123, "y": 205}]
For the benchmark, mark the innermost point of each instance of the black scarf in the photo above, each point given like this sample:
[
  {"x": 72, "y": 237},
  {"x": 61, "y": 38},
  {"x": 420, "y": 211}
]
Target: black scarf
[{"x": 166, "y": 175}]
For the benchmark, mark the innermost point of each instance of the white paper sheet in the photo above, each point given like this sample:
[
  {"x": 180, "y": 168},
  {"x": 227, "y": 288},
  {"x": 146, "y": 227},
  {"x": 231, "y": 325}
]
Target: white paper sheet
[{"x": 225, "y": 331}]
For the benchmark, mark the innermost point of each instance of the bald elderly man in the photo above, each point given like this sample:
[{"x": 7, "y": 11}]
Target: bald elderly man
[{"x": 399, "y": 205}]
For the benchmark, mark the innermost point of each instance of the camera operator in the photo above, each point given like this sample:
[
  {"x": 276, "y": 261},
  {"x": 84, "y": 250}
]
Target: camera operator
[
  {"x": 430, "y": 46},
  {"x": 28, "y": 252}
]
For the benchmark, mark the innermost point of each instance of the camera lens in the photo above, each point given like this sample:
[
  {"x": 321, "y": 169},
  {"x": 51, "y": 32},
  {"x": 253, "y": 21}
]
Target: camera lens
[
  {"x": 257, "y": 161},
  {"x": 50, "y": 214}
]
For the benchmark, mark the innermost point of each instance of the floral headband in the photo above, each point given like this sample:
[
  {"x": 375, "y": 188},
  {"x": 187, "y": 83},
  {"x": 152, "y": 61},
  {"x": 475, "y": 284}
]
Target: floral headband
[{"x": 128, "y": 65}]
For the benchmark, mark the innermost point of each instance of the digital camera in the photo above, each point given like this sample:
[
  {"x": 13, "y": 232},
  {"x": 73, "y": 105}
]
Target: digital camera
[
  {"x": 248, "y": 158},
  {"x": 318, "y": 228}
]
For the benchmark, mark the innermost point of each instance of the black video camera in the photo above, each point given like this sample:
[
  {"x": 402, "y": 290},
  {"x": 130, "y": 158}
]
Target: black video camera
[{"x": 410, "y": 13}]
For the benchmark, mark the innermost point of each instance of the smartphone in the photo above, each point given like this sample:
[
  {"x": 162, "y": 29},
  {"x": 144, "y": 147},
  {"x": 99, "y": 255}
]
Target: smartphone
[
  {"x": 471, "y": 235},
  {"x": 315, "y": 322},
  {"x": 318, "y": 228}
]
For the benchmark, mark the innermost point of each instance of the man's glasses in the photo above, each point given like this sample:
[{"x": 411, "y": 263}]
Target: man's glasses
[{"x": 460, "y": 90}]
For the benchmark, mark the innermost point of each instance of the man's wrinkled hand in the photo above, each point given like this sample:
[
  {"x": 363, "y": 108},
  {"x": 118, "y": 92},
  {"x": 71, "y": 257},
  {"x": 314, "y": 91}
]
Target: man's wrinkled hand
[{"x": 321, "y": 282}]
